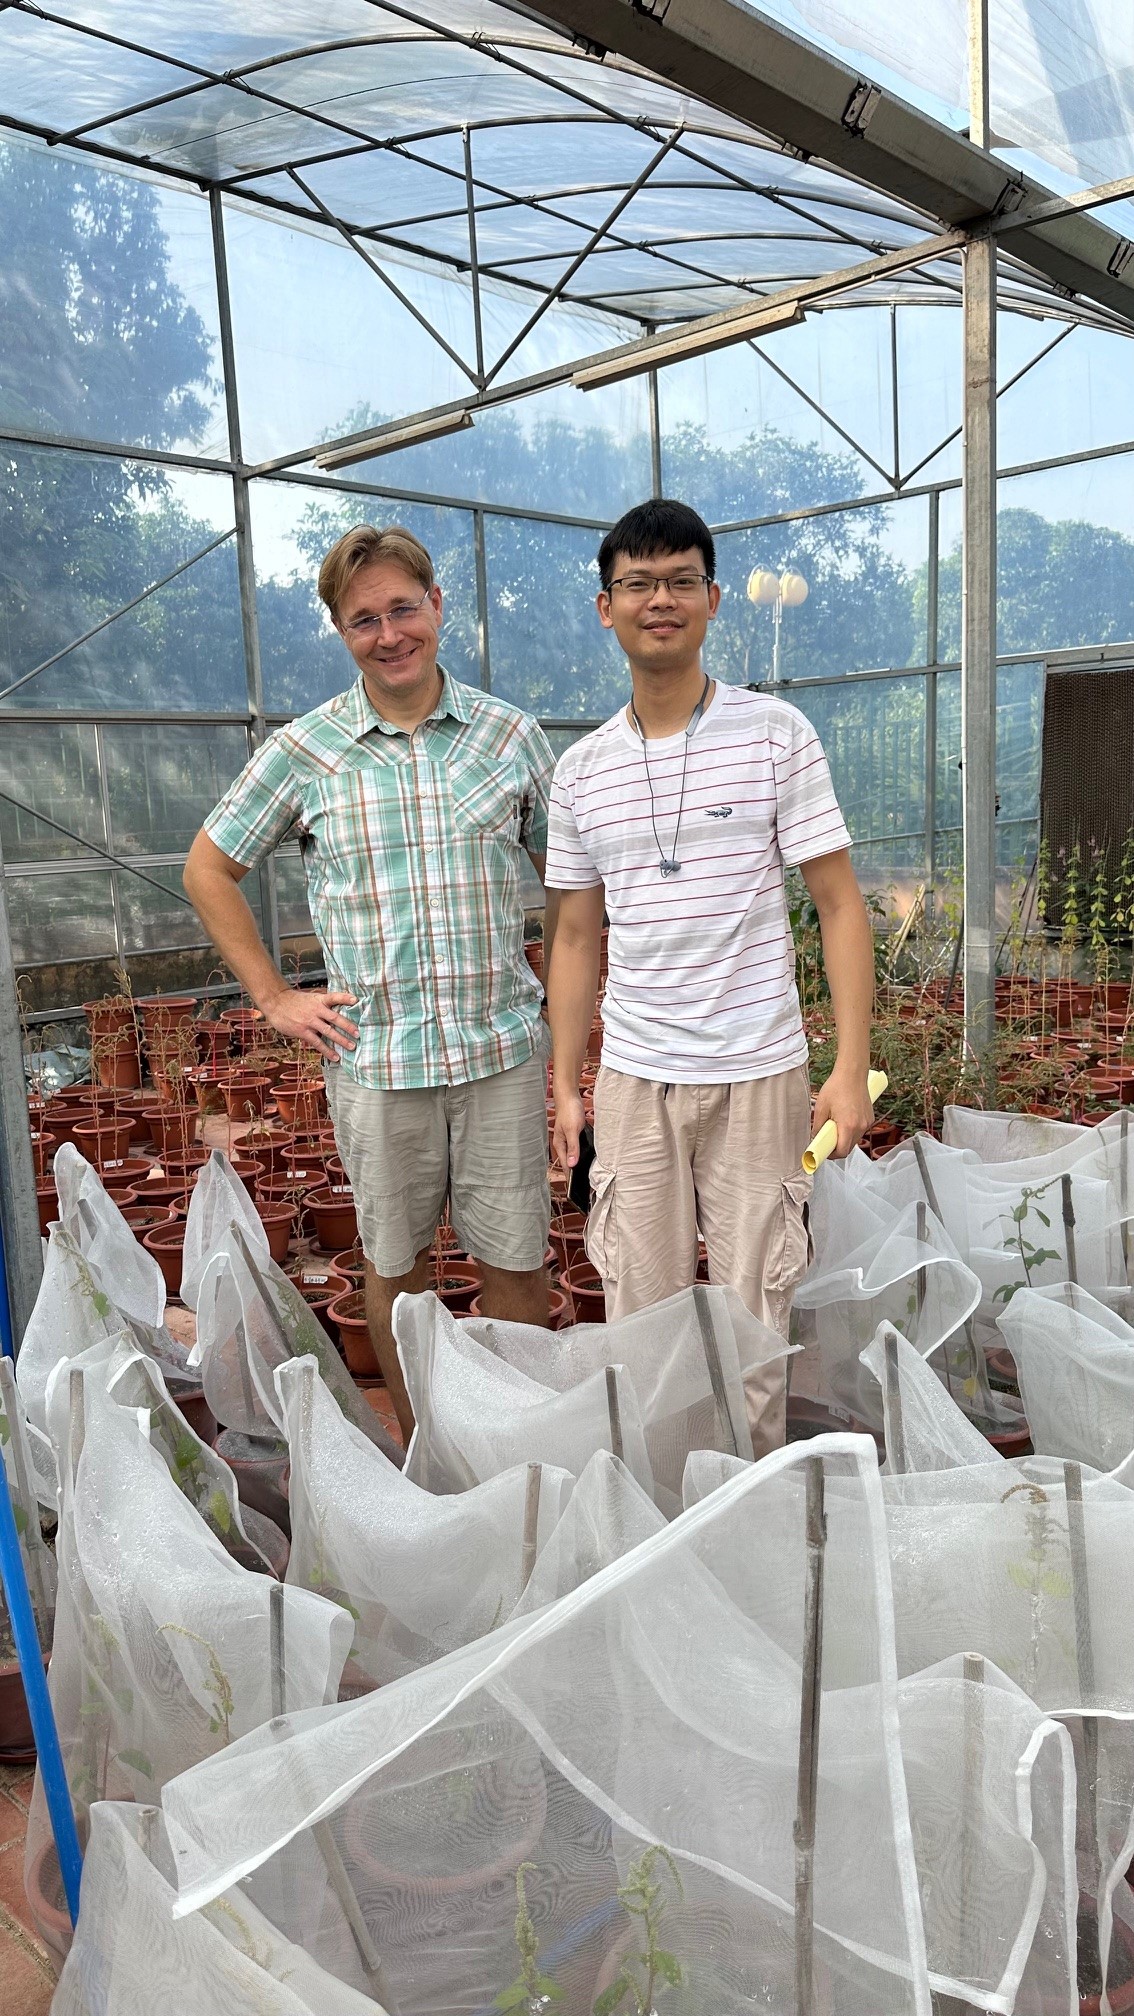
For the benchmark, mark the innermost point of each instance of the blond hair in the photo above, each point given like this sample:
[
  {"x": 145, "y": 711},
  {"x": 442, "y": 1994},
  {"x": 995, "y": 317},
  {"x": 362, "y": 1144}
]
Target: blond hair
[{"x": 364, "y": 543}]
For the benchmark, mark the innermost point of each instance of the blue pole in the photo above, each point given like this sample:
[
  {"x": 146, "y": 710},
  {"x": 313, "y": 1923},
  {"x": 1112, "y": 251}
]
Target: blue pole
[
  {"x": 39, "y": 1702},
  {"x": 7, "y": 1340}
]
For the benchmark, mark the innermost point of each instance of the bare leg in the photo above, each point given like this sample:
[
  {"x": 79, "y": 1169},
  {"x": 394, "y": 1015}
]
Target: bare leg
[
  {"x": 515, "y": 1298},
  {"x": 381, "y": 1294}
]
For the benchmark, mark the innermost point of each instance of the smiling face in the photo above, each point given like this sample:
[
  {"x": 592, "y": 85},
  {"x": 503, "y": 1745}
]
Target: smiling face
[
  {"x": 390, "y": 625},
  {"x": 660, "y": 629}
]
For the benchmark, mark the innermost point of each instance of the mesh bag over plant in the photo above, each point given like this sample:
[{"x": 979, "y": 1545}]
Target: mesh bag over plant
[
  {"x": 689, "y": 1358},
  {"x": 1075, "y": 1361},
  {"x": 19, "y": 1473},
  {"x": 477, "y": 1415},
  {"x": 106, "y": 1241},
  {"x": 419, "y": 1574},
  {"x": 250, "y": 1319},
  {"x": 165, "y": 1649},
  {"x": 611, "y": 1796},
  {"x": 1010, "y": 1137},
  {"x": 130, "y": 1957},
  {"x": 925, "y": 1428},
  {"x": 607, "y": 1515},
  {"x": 219, "y": 1200}
]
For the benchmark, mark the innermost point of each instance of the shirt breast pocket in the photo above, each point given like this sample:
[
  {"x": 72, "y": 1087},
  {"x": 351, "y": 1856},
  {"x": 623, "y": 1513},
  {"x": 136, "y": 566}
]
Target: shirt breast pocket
[{"x": 488, "y": 805}]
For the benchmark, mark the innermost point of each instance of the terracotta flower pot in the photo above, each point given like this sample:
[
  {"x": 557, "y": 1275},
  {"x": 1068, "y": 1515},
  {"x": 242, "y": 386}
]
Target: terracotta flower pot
[
  {"x": 194, "y": 1409},
  {"x": 351, "y": 1265},
  {"x": 558, "y": 1309},
  {"x": 160, "y": 1190},
  {"x": 208, "y": 1089},
  {"x": 214, "y": 1041},
  {"x": 566, "y": 1237},
  {"x": 248, "y": 1171},
  {"x": 305, "y": 1104},
  {"x": 333, "y": 1216},
  {"x": 118, "y": 1062},
  {"x": 245, "y": 1098},
  {"x": 318, "y": 1291},
  {"x": 125, "y": 1171},
  {"x": 457, "y": 1283},
  {"x": 47, "y": 1198},
  {"x": 269, "y": 1146},
  {"x": 185, "y": 1167},
  {"x": 348, "y": 1314},
  {"x": 259, "y": 1468},
  {"x": 142, "y": 1218},
  {"x": 172, "y": 1128},
  {"x": 103, "y": 1140},
  {"x": 166, "y": 1243},
  {"x": 277, "y": 1221},
  {"x": 17, "y": 1744},
  {"x": 584, "y": 1285},
  {"x": 162, "y": 1014},
  {"x": 47, "y": 1901}
]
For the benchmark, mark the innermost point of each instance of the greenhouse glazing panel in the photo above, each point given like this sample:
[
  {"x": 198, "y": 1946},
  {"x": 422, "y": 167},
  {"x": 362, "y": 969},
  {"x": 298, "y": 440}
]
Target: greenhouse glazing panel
[
  {"x": 51, "y": 768},
  {"x": 84, "y": 535},
  {"x": 59, "y": 917},
  {"x": 873, "y": 731},
  {"x": 162, "y": 781},
  {"x": 1019, "y": 723},
  {"x": 550, "y": 654}
]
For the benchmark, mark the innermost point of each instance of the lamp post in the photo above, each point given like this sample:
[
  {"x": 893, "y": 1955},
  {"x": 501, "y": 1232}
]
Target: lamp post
[{"x": 781, "y": 591}]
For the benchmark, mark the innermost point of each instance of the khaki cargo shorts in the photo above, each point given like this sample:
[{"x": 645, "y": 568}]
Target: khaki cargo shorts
[{"x": 483, "y": 1146}]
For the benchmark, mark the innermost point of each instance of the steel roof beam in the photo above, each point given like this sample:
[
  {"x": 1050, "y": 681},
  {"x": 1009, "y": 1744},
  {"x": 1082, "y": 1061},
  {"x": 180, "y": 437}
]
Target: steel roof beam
[{"x": 752, "y": 69}]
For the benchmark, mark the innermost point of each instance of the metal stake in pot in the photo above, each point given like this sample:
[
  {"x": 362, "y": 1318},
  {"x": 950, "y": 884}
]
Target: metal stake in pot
[
  {"x": 811, "y": 1687},
  {"x": 703, "y": 1306},
  {"x": 1085, "y": 1663},
  {"x": 325, "y": 1842},
  {"x": 1069, "y": 1227},
  {"x": 614, "y": 1412},
  {"x": 895, "y": 1426}
]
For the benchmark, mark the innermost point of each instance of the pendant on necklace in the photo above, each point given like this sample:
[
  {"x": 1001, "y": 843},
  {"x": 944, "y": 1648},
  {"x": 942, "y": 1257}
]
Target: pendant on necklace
[{"x": 670, "y": 868}]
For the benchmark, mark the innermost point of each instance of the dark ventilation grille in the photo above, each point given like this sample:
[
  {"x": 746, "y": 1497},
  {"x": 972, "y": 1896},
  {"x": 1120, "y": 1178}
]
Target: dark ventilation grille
[{"x": 1087, "y": 787}]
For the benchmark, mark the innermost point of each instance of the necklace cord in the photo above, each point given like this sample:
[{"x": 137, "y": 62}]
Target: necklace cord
[{"x": 669, "y": 862}]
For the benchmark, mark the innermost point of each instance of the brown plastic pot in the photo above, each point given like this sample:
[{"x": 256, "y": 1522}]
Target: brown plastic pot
[
  {"x": 214, "y": 1041},
  {"x": 17, "y": 1744},
  {"x": 162, "y": 1190},
  {"x": 141, "y": 1218},
  {"x": 302, "y": 1104},
  {"x": 318, "y": 1291},
  {"x": 47, "y": 1901},
  {"x": 166, "y": 1243},
  {"x": 125, "y": 1170},
  {"x": 173, "y": 1128},
  {"x": 264, "y": 1534},
  {"x": 161, "y": 1014},
  {"x": 208, "y": 1089},
  {"x": 246, "y": 1097},
  {"x": 558, "y": 1310},
  {"x": 270, "y": 1147},
  {"x": 119, "y": 1063},
  {"x": 333, "y": 1216},
  {"x": 248, "y": 1171},
  {"x": 259, "y": 1468},
  {"x": 351, "y": 1264},
  {"x": 458, "y": 1283},
  {"x": 348, "y": 1314},
  {"x": 566, "y": 1236},
  {"x": 103, "y": 1140},
  {"x": 588, "y": 1296},
  {"x": 194, "y": 1409},
  {"x": 277, "y": 1221},
  {"x": 47, "y": 1198}
]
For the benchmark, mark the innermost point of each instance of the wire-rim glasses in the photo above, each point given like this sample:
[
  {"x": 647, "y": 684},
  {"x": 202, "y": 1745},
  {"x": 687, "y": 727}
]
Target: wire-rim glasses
[
  {"x": 401, "y": 614},
  {"x": 637, "y": 587}
]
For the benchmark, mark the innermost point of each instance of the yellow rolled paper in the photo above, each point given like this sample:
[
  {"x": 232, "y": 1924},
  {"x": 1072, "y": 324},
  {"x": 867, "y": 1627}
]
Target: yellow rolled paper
[{"x": 827, "y": 1138}]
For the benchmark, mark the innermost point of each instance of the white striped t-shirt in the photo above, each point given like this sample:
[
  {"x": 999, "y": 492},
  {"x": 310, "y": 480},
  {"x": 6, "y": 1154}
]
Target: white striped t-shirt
[{"x": 701, "y": 980}]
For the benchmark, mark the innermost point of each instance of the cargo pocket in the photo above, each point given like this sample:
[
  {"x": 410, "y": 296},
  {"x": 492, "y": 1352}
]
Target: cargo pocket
[
  {"x": 601, "y": 1236},
  {"x": 790, "y": 1245}
]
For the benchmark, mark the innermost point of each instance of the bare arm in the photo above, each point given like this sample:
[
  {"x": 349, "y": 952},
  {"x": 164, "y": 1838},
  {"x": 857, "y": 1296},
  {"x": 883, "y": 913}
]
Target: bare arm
[
  {"x": 212, "y": 883},
  {"x": 848, "y": 956},
  {"x": 572, "y": 989}
]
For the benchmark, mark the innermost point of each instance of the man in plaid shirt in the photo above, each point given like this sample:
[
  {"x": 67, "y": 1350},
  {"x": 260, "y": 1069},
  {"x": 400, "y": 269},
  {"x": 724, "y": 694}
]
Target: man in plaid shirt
[{"x": 413, "y": 797}]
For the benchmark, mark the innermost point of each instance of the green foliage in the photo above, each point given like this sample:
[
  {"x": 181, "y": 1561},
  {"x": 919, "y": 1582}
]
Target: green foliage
[
  {"x": 645, "y": 1898},
  {"x": 1031, "y": 1255},
  {"x": 531, "y": 1991}
]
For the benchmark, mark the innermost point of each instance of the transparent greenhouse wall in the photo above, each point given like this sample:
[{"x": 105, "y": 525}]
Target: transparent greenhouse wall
[{"x": 831, "y": 449}]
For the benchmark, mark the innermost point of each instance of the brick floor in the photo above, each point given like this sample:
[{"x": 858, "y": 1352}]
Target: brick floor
[{"x": 26, "y": 1979}]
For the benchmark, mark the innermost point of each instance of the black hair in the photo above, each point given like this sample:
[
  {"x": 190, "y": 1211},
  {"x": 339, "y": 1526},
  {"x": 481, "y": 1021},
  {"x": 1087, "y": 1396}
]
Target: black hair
[{"x": 657, "y": 527}]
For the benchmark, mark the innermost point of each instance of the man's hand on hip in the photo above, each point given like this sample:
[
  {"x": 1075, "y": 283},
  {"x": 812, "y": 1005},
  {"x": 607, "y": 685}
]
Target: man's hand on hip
[
  {"x": 845, "y": 1100},
  {"x": 308, "y": 1015},
  {"x": 570, "y": 1119}
]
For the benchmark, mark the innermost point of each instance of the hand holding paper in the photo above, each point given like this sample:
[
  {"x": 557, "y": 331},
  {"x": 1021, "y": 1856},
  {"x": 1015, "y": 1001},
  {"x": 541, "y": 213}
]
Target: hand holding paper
[{"x": 827, "y": 1138}]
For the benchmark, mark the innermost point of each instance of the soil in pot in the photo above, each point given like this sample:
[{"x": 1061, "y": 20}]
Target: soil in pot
[
  {"x": 1002, "y": 1375},
  {"x": 457, "y": 1283},
  {"x": 141, "y": 1218},
  {"x": 584, "y": 1285},
  {"x": 348, "y": 1314},
  {"x": 166, "y": 1243},
  {"x": 318, "y": 1292},
  {"x": 258, "y": 1466},
  {"x": 333, "y": 1217}
]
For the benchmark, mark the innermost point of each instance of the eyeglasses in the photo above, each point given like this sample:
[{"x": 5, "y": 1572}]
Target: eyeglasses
[
  {"x": 397, "y": 618},
  {"x": 637, "y": 587}
]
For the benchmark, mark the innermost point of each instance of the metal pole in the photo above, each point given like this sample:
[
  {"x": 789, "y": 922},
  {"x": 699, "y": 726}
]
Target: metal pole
[
  {"x": 1069, "y": 1227},
  {"x": 1087, "y": 1828},
  {"x": 654, "y": 408},
  {"x": 978, "y": 589},
  {"x": 807, "y": 1781},
  {"x": 474, "y": 261},
  {"x": 19, "y": 1214},
  {"x": 614, "y": 1414},
  {"x": 1124, "y": 1190},
  {"x": 245, "y": 562},
  {"x": 483, "y": 642},
  {"x": 895, "y": 1427},
  {"x": 777, "y": 619},
  {"x": 932, "y": 583}
]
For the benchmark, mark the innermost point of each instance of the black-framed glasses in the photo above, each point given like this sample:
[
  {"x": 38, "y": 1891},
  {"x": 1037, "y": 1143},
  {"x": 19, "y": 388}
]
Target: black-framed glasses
[{"x": 637, "y": 587}]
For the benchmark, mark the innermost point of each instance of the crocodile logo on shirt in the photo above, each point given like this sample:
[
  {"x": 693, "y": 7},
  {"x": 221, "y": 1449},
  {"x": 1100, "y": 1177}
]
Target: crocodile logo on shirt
[{"x": 719, "y": 812}]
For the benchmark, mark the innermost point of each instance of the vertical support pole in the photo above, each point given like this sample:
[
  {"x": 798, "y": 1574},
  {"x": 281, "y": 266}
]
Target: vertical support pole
[
  {"x": 108, "y": 842},
  {"x": 972, "y": 1772},
  {"x": 245, "y": 563},
  {"x": 1124, "y": 1190},
  {"x": 894, "y": 402},
  {"x": 482, "y": 638},
  {"x": 1086, "y": 1829},
  {"x": 932, "y": 653},
  {"x": 654, "y": 407},
  {"x": 978, "y": 586},
  {"x": 474, "y": 261},
  {"x": 922, "y": 1231},
  {"x": 810, "y": 1696},
  {"x": 278, "y": 1652},
  {"x": 703, "y": 1308},
  {"x": 895, "y": 1426},
  {"x": 614, "y": 1413},
  {"x": 1069, "y": 1227},
  {"x": 19, "y": 1215},
  {"x": 531, "y": 1524}
]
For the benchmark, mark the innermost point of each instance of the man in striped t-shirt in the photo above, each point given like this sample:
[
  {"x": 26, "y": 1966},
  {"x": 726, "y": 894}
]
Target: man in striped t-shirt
[{"x": 677, "y": 818}]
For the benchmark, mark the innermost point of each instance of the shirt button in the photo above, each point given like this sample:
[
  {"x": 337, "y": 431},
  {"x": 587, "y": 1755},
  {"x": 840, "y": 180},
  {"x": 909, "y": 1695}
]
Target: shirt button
[{"x": 434, "y": 902}]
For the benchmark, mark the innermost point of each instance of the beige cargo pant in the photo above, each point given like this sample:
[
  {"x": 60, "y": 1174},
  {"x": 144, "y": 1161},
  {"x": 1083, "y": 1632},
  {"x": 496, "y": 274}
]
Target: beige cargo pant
[{"x": 670, "y": 1159}]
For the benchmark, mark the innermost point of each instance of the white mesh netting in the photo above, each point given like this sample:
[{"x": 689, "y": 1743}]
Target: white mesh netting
[{"x": 1074, "y": 1356}]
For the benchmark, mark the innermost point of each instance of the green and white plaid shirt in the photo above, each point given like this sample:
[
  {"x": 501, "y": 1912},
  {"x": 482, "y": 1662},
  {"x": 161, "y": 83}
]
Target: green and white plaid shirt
[{"x": 412, "y": 846}]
